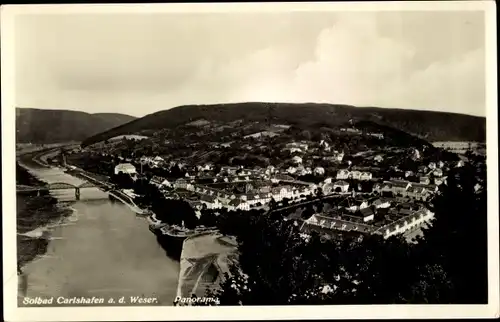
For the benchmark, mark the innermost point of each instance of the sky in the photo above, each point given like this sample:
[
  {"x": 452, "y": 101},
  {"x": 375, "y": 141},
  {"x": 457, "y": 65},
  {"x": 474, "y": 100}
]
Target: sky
[{"x": 141, "y": 63}]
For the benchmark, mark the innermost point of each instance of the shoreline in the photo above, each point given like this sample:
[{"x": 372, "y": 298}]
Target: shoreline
[{"x": 35, "y": 213}]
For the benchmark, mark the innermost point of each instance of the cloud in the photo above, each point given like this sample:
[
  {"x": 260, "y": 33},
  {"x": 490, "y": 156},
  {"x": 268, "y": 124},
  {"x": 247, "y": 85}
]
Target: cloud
[
  {"x": 137, "y": 65},
  {"x": 354, "y": 64}
]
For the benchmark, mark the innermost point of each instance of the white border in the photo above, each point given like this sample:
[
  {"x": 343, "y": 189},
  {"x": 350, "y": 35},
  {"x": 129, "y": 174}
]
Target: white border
[{"x": 12, "y": 313}]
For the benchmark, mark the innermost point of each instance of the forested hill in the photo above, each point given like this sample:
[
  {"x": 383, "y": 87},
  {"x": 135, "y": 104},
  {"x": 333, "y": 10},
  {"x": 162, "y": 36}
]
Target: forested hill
[
  {"x": 52, "y": 126},
  {"x": 429, "y": 125}
]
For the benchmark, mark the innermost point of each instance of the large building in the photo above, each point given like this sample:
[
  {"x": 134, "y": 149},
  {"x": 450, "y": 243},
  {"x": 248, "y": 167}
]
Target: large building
[{"x": 125, "y": 168}]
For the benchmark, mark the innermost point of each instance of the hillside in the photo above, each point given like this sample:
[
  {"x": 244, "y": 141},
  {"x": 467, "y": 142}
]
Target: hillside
[
  {"x": 52, "y": 126},
  {"x": 431, "y": 126}
]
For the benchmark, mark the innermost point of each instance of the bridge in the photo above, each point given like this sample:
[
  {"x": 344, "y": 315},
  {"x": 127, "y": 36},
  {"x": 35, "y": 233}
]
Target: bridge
[{"x": 59, "y": 186}]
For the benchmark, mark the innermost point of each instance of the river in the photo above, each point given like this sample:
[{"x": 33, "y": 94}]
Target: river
[{"x": 102, "y": 249}]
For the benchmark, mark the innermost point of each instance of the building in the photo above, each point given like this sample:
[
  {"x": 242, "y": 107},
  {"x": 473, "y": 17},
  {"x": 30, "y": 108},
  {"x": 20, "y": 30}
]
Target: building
[
  {"x": 365, "y": 176},
  {"x": 238, "y": 204},
  {"x": 439, "y": 181},
  {"x": 378, "y": 158},
  {"x": 367, "y": 213},
  {"x": 381, "y": 204},
  {"x": 297, "y": 160},
  {"x": 399, "y": 187},
  {"x": 406, "y": 223},
  {"x": 160, "y": 182},
  {"x": 425, "y": 180},
  {"x": 343, "y": 174},
  {"x": 356, "y": 175},
  {"x": 125, "y": 168},
  {"x": 211, "y": 201},
  {"x": 319, "y": 171},
  {"x": 301, "y": 146},
  {"x": 341, "y": 186},
  {"x": 438, "y": 172},
  {"x": 338, "y": 156}
]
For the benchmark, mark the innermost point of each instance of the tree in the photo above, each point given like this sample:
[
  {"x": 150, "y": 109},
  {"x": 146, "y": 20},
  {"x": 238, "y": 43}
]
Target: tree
[
  {"x": 448, "y": 265},
  {"x": 456, "y": 244}
]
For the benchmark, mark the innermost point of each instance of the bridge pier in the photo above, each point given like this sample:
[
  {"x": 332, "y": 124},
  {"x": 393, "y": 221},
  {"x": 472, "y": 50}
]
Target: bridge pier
[{"x": 77, "y": 193}]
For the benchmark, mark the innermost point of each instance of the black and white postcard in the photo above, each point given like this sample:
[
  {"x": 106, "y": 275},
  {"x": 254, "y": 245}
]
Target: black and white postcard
[{"x": 250, "y": 161}]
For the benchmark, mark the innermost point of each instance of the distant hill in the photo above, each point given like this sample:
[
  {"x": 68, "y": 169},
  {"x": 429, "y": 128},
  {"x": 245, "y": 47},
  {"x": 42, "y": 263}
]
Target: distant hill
[
  {"x": 428, "y": 125},
  {"x": 52, "y": 126}
]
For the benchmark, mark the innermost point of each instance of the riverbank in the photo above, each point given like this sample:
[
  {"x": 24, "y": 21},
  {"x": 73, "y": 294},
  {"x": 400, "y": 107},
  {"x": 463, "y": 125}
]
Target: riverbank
[{"x": 34, "y": 212}]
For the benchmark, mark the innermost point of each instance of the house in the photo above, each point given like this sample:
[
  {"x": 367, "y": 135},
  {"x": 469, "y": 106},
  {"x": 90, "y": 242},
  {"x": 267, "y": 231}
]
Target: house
[
  {"x": 343, "y": 174},
  {"x": 378, "y": 158},
  {"x": 319, "y": 171},
  {"x": 439, "y": 181},
  {"x": 364, "y": 204},
  {"x": 297, "y": 160},
  {"x": 432, "y": 165},
  {"x": 238, "y": 204},
  {"x": 270, "y": 170},
  {"x": 341, "y": 186},
  {"x": 327, "y": 188},
  {"x": 438, "y": 172},
  {"x": 229, "y": 170},
  {"x": 425, "y": 180},
  {"x": 408, "y": 174},
  {"x": 125, "y": 168},
  {"x": 291, "y": 170},
  {"x": 365, "y": 176},
  {"x": 381, "y": 203},
  {"x": 279, "y": 193},
  {"x": 301, "y": 145},
  {"x": 211, "y": 201},
  {"x": 400, "y": 187},
  {"x": 441, "y": 164},
  {"x": 356, "y": 175},
  {"x": 338, "y": 156},
  {"x": 416, "y": 154},
  {"x": 460, "y": 164},
  {"x": 428, "y": 187},
  {"x": 367, "y": 214},
  {"x": 377, "y": 135},
  {"x": 166, "y": 183},
  {"x": 205, "y": 167},
  {"x": 158, "y": 160}
]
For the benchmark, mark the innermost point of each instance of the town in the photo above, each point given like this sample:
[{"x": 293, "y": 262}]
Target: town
[{"x": 350, "y": 181}]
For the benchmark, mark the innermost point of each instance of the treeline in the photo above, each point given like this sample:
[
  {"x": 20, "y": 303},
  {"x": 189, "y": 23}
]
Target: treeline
[
  {"x": 433, "y": 126},
  {"x": 447, "y": 266}
]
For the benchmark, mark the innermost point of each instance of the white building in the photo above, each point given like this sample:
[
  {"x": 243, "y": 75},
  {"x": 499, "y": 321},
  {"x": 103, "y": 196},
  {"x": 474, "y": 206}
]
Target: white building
[
  {"x": 297, "y": 160},
  {"x": 343, "y": 174},
  {"x": 378, "y": 158},
  {"x": 319, "y": 171},
  {"x": 356, "y": 175},
  {"x": 125, "y": 168},
  {"x": 379, "y": 203},
  {"x": 407, "y": 223},
  {"x": 365, "y": 176},
  {"x": 339, "y": 156},
  {"x": 341, "y": 185},
  {"x": 438, "y": 172},
  {"x": 280, "y": 193}
]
